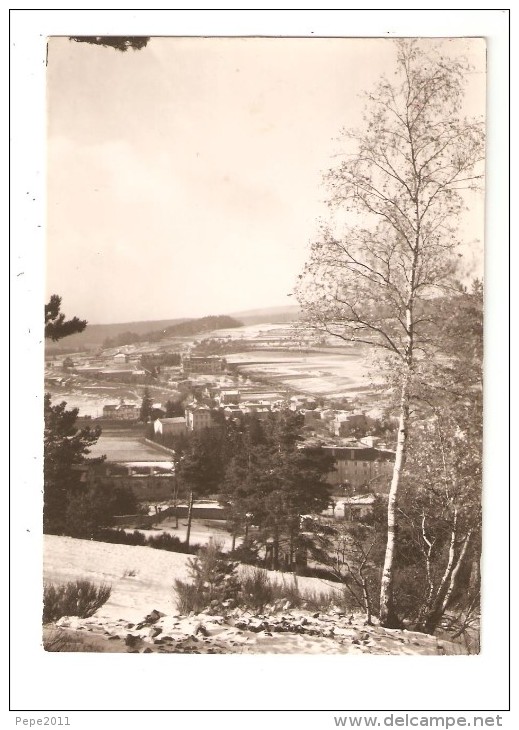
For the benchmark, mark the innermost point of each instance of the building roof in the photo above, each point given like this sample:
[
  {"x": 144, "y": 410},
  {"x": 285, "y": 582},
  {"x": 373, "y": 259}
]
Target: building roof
[
  {"x": 115, "y": 407},
  {"x": 363, "y": 452},
  {"x": 176, "y": 419},
  {"x": 156, "y": 464},
  {"x": 202, "y": 357}
]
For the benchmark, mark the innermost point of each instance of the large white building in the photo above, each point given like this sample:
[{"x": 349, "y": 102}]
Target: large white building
[{"x": 170, "y": 426}]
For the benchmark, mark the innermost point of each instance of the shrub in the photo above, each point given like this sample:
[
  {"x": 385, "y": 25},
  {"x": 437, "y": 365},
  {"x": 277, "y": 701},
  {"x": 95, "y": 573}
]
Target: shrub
[
  {"x": 257, "y": 590},
  {"x": 323, "y": 601},
  {"x": 117, "y": 536},
  {"x": 76, "y": 598},
  {"x": 164, "y": 541},
  {"x": 315, "y": 572},
  {"x": 289, "y": 591},
  {"x": 188, "y": 598},
  {"x": 133, "y": 538},
  {"x": 260, "y": 590},
  {"x": 214, "y": 584},
  {"x": 214, "y": 581}
]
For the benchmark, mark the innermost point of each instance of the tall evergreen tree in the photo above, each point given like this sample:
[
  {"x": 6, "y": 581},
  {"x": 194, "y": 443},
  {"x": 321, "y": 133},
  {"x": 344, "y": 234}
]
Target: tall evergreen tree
[
  {"x": 195, "y": 475},
  {"x": 65, "y": 447},
  {"x": 271, "y": 484},
  {"x": 146, "y": 406}
]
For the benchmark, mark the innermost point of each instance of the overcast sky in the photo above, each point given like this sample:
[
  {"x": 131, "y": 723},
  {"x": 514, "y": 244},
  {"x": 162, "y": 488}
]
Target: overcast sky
[{"x": 184, "y": 179}]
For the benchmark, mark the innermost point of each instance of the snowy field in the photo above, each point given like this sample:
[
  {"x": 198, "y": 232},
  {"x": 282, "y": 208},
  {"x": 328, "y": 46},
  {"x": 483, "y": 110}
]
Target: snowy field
[
  {"x": 141, "y": 614},
  {"x": 142, "y": 578},
  {"x": 324, "y": 373}
]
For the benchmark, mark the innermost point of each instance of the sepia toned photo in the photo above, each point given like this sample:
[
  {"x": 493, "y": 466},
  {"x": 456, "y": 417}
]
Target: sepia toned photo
[{"x": 264, "y": 345}]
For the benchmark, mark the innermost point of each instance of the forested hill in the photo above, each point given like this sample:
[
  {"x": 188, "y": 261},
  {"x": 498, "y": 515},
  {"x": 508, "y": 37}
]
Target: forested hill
[
  {"x": 198, "y": 326},
  {"x": 181, "y": 329}
]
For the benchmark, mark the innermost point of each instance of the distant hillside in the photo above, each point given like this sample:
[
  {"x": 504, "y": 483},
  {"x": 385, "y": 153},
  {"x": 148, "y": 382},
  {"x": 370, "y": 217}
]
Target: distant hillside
[
  {"x": 117, "y": 335},
  {"x": 96, "y": 334},
  {"x": 271, "y": 315},
  {"x": 182, "y": 329}
]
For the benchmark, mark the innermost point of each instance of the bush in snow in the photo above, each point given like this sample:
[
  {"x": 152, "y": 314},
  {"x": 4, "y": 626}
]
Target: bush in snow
[
  {"x": 76, "y": 598},
  {"x": 214, "y": 582}
]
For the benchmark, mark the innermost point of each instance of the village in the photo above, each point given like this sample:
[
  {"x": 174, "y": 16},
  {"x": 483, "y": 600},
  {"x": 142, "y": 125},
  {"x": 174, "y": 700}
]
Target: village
[{"x": 195, "y": 394}]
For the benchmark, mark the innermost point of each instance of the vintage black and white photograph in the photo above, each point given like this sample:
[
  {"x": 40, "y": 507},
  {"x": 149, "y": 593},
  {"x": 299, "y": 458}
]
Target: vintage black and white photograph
[{"x": 263, "y": 345}]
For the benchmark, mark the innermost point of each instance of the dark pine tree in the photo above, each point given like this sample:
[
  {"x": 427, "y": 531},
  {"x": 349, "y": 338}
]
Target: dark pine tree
[
  {"x": 56, "y": 326},
  {"x": 146, "y": 406},
  {"x": 65, "y": 447}
]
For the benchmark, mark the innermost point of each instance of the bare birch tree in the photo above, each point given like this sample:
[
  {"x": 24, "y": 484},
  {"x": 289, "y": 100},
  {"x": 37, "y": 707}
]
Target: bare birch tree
[{"x": 397, "y": 195}]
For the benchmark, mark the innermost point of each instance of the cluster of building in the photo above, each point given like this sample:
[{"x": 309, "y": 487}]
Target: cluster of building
[
  {"x": 363, "y": 465},
  {"x": 362, "y": 468},
  {"x": 118, "y": 366},
  {"x": 338, "y": 423}
]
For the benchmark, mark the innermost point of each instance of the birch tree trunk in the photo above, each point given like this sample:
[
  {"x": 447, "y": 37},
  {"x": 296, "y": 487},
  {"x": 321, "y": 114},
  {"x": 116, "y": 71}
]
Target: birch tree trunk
[
  {"x": 432, "y": 621},
  {"x": 387, "y": 614}
]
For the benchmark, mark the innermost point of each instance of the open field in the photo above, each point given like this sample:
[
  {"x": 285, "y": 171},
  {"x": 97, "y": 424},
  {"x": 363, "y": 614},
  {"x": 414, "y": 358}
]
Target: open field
[
  {"x": 120, "y": 445},
  {"x": 324, "y": 372},
  {"x": 254, "y": 333}
]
